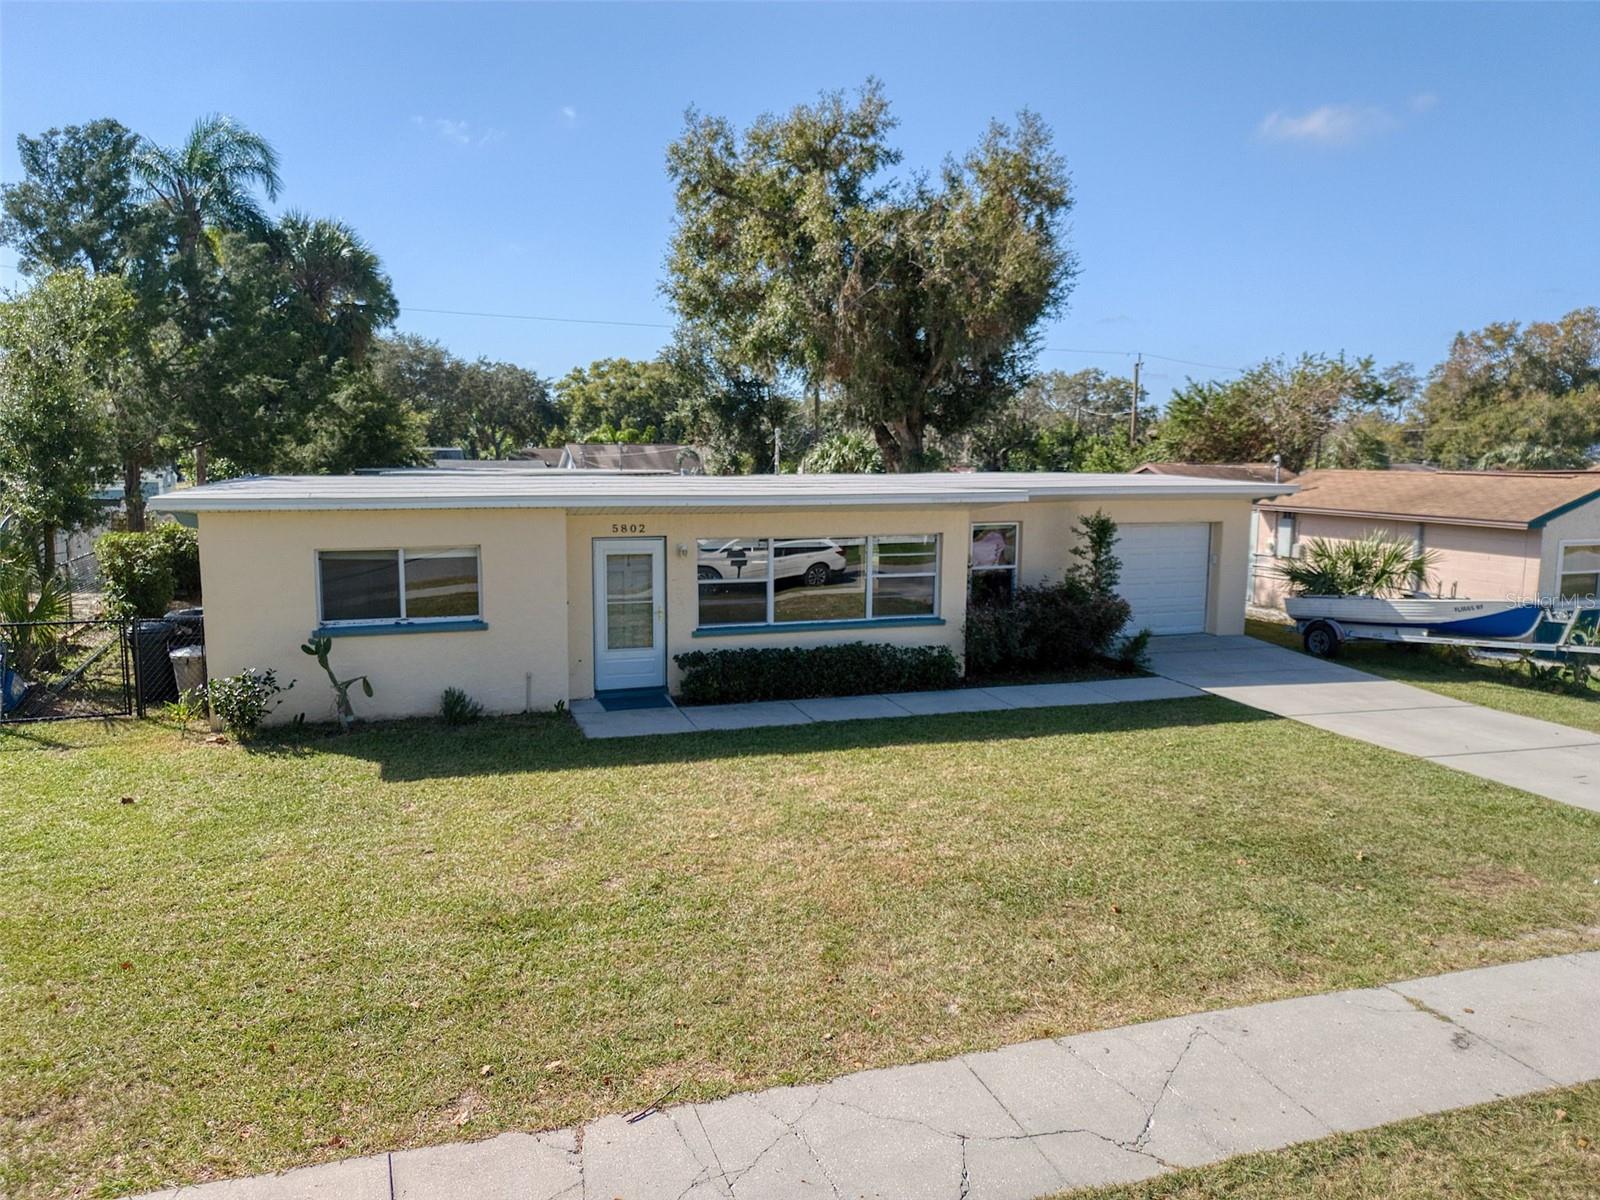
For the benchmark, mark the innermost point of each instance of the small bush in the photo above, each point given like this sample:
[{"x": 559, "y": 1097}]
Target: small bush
[
  {"x": 792, "y": 673},
  {"x": 241, "y": 702},
  {"x": 1132, "y": 653},
  {"x": 137, "y": 573},
  {"x": 1048, "y": 626},
  {"x": 458, "y": 708},
  {"x": 182, "y": 548}
]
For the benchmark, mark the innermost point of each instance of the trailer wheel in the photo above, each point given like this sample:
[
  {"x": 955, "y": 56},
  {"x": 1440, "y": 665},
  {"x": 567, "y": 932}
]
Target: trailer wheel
[{"x": 1322, "y": 640}]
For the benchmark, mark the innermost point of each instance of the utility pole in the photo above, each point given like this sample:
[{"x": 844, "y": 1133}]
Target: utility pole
[
  {"x": 1133, "y": 415},
  {"x": 777, "y": 449}
]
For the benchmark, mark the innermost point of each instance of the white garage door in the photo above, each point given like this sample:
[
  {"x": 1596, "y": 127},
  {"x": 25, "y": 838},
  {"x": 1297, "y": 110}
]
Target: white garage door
[{"x": 1165, "y": 569}]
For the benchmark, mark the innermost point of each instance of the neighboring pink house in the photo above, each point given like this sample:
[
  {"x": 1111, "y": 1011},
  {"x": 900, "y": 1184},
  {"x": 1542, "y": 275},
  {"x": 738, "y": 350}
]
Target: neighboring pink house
[{"x": 1495, "y": 533}]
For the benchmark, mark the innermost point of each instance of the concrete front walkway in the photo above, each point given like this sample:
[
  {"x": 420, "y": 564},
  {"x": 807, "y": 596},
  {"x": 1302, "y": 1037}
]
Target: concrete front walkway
[
  {"x": 1027, "y": 1120},
  {"x": 596, "y": 722},
  {"x": 1550, "y": 760}
]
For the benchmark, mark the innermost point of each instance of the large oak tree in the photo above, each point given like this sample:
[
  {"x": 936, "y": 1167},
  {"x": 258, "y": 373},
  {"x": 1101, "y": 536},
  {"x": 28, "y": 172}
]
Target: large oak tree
[{"x": 913, "y": 303}]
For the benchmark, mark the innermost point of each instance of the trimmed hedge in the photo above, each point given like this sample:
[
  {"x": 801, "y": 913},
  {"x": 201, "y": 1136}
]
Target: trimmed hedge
[
  {"x": 792, "y": 673},
  {"x": 142, "y": 572}
]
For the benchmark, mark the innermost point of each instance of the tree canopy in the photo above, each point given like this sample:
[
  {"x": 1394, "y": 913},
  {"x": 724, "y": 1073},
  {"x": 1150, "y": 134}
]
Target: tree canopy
[
  {"x": 1516, "y": 395},
  {"x": 1287, "y": 407},
  {"x": 914, "y": 303}
]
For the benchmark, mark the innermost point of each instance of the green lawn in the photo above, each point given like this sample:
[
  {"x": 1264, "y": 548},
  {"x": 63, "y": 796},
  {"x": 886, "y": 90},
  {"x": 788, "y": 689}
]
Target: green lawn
[
  {"x": 1544, "y": 1147},
  {"x": 1480, "y": 683},
  {"x": 416, "y": 934}
]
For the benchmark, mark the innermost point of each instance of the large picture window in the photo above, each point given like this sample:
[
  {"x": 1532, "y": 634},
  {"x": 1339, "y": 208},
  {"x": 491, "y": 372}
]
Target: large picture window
[
  {"x": 992, "y": 564},
  {"x": 1580, "y": 571},
  {"x": 358, "y": 586},
  {"x": 782, "y": 581}
]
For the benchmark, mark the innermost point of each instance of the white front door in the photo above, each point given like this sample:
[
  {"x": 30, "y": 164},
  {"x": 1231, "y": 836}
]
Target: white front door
[
  {"x": 630, "y": 613},
  {"x": 1166, "y": 575}
]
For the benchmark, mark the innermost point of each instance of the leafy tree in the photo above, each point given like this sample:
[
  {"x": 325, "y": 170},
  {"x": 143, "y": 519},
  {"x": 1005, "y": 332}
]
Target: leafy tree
[
  {"x": 1279, "y": 407},
  {"x": 915, "y": 303},
  {"x": 731, "y": 410},
  {"x": 1517, "y": 395},
  {"x": 506, "y": 408},
  {"x": 642, "y": 395},
  {"x": 59, "y": 345},
  {"x": 1060, "y": 422},
  {"x": 361, "y": 424},
  {"x": 488, "y": 409},
  {"x": 1091, "y": 400},
  {"x": 75, "y": 205},
  {"x": 428, "y": 379}
]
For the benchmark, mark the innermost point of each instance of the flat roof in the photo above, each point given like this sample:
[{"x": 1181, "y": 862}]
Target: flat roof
[{"x": 590, "y": 490}]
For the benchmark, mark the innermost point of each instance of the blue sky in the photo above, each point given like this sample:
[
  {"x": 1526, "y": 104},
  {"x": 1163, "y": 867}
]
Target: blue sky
[{"x": 1251, "y": 180}]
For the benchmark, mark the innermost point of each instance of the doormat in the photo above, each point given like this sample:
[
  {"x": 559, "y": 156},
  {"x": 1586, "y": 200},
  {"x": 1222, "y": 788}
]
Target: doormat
[{"x": 626, "y": 698}]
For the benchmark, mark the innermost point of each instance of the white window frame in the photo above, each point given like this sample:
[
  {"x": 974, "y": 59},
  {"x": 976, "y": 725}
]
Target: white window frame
[
  {"x": 1015, "y": 568},
  {"x": 400, "y": 553},
  {"x": 1561, "y": 558},
  {"x": 869, "y": 545},
  {"x": 1289, "y": 521}
]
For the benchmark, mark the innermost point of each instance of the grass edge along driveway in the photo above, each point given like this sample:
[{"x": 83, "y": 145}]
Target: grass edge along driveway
[{"x": 312, "y": 950}]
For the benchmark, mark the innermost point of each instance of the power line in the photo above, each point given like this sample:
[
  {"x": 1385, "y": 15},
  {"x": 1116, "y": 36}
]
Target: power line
[
  {"x": 456, "y": 312},
  {"x": 501, "y": 316},
  {"x": 1188, "y": 362}
]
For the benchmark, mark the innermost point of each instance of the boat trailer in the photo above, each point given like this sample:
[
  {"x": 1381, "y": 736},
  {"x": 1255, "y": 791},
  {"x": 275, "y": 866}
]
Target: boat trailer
[{"x": 1562, "y": 631}]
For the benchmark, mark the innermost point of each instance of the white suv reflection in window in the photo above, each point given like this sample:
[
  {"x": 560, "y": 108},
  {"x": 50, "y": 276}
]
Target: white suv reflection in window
[{"x": 813, "y": 560}]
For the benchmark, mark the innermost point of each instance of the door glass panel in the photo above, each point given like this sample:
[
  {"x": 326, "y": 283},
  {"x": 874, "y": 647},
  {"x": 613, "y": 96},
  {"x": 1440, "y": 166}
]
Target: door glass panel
[{"x": 630, "y": 602}]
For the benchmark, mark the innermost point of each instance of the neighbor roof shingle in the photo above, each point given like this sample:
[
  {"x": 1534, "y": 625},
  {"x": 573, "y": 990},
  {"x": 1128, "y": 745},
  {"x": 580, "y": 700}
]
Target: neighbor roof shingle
[{"x": 1513, "y": 499}]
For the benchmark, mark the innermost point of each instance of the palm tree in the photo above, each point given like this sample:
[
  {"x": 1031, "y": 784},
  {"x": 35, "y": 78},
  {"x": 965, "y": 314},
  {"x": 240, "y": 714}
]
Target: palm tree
[
  {"x": 209, "y": 179},
  {"x": 340, "y": 280},
  {"x": 207, "y": 182}
]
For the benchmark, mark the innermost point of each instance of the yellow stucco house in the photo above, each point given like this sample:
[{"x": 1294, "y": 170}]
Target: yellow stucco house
[{"x": 528, "y": 588}]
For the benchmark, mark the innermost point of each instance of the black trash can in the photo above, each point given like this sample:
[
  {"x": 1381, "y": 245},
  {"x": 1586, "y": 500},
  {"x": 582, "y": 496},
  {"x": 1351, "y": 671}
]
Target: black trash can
[{"x": 152, "y": 668}]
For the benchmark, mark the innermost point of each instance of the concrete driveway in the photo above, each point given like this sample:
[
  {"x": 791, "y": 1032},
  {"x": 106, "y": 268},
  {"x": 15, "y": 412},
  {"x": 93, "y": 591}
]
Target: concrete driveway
[{"x": 1550, "y": 760}]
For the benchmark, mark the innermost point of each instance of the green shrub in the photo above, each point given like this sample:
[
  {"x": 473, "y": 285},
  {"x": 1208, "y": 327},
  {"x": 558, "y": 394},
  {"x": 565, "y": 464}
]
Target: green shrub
[
  {"x": 241, "y": 702},
  {"x": 792, "y": 673},
  {"x": 142, "y": 572},
  {"x": 1374, "y": 565},
  {"x": 458, "y": 708},
  {"x": 1047, "y": 626},
  {"x": 1132, "y": 653},
  {"x": 182, "y": 547},
  {"x": 136, "y": 571}
]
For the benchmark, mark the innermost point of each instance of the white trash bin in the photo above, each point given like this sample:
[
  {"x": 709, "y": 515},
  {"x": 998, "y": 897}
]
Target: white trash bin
[{"x": 188, "y": 667}]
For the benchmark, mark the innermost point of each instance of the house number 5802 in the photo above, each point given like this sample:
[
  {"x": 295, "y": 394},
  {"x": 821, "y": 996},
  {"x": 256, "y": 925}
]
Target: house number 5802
[{"x": 622, "y": 527}]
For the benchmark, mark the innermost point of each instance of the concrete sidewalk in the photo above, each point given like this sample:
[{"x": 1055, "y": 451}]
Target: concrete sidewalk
[
  {"x": 1027, "y": 1120},
  {"x": 596, "y": 722},
  {"x": 1555, "y": 761}
]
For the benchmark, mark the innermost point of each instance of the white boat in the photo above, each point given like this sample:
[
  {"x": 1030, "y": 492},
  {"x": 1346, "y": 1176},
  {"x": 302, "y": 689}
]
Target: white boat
[{"x": 1509, "y": 619}]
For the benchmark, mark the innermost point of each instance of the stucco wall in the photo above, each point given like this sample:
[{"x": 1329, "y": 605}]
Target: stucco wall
[
  {"x": 1579, "y": 525},
  {"x": 258, "y": 572},
  {"x": 259, "y": 576},
  {"x": 1049, "y": 530},
  {"x": 683, "y": 529},
  {"x": 1471, "y": 561}
]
